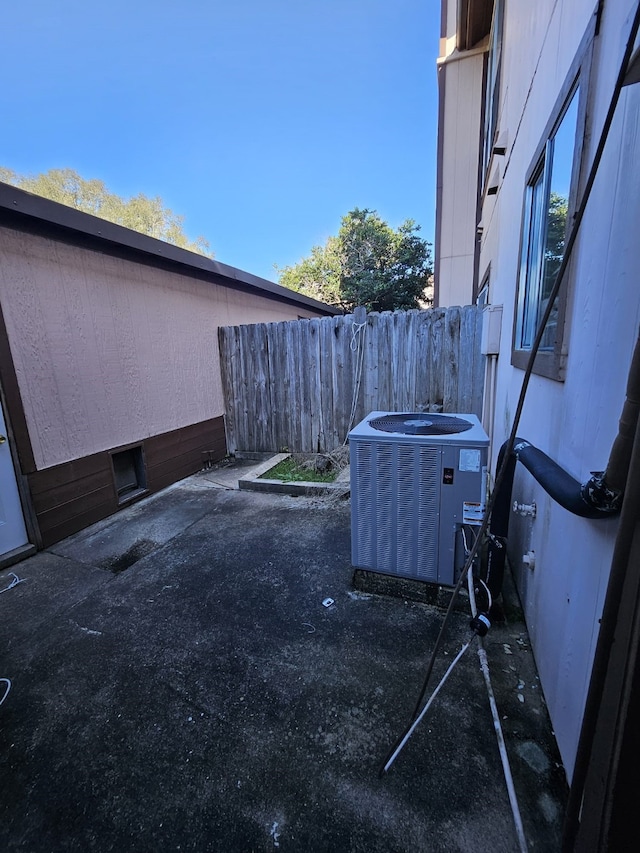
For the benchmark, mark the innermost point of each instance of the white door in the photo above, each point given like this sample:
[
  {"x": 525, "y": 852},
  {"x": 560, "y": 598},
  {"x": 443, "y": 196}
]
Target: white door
[{"x": 12, "y": 530}]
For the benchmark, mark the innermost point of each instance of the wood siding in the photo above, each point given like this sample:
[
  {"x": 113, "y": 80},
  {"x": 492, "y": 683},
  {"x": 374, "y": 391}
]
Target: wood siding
[
  {"x": 68, "y": 497},
  {"x": 291, "y": 385}
]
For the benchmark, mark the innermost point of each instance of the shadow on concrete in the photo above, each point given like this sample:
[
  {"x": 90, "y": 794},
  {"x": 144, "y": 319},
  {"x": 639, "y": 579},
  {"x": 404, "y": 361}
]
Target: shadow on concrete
[{"x": 177, "y": 684}]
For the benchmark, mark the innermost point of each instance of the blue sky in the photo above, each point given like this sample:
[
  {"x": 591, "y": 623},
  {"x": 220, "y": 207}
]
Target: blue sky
[{"x": 262, "y": 122}]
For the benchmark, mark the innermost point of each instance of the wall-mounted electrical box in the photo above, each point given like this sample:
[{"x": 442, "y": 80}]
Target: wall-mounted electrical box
[{"x": 491, "y": 330}]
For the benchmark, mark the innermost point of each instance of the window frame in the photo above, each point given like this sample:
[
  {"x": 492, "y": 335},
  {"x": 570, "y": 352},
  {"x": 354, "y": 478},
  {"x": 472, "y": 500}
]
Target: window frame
[
  {"x": 483, "y": 297},
  {"x": 491, "y": 106},
  {"x": 551, "y": 363}
]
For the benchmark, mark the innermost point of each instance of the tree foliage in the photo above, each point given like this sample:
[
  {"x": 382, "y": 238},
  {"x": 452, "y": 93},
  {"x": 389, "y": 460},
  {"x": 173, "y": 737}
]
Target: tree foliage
[
  {"x": 553, "y": 253},
  {"x": 368, "y": 263},
  {"x": 141, "y": 213},
  {"x": 554, "y": 243}
]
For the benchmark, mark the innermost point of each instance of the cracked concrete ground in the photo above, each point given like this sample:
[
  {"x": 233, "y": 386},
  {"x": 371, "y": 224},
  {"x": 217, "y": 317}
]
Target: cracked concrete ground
[{"x": 177, "y": 684}]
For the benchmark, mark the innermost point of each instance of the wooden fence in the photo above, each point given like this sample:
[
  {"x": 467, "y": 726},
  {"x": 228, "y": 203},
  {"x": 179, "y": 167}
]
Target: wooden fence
[{"x": 302, "y": 385}]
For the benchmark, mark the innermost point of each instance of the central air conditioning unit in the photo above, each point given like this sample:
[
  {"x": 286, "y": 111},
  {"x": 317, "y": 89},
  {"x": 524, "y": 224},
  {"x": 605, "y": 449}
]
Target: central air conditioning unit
[{"x": 417, "y": 480}]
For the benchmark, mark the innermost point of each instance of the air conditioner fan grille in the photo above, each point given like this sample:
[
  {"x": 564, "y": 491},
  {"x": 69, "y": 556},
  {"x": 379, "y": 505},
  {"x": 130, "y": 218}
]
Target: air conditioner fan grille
[{"x": 420, "y": 423}]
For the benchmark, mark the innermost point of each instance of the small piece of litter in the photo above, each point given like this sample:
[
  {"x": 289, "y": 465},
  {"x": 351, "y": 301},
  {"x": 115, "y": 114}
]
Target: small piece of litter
[
  {"x": 507, "y": 649},
  {"x": 327, "y": 603},
  {"x": 520, "y": 697},
  {"x": 86, "y": 630},
  {"x": 309, "y": 626}
]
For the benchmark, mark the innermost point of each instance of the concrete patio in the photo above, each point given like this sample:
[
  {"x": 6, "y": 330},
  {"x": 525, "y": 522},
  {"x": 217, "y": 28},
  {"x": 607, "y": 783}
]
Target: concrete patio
[{"x": 177, "y": 684}]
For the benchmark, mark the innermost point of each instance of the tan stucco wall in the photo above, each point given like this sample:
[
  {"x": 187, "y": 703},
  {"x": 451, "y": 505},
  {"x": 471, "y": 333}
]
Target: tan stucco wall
[
  {"x": 108, "y": 351},
  {"x": 459, "y": 148}
]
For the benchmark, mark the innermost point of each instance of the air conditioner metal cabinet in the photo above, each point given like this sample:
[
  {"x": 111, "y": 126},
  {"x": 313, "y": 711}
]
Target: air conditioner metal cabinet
[{"x": 410, "y": 496}]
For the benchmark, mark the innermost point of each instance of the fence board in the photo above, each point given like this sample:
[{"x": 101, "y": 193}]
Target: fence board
[
  {"x": 317, "y": 415},
  {"x": 261, "y": 422},
  {"x": 371, "y": 368},
  {"x": 465, "y": 362},
  {"x": 384, "y": 363},
  {"x": 452, "y": 359},
  {"x": 479, "y": 360},
  {"x": 304, "y": 399},
  {"x": 326, "y": 390},
  {"x": 226, "y": 371},
  {"x": 423, "y": 366},
  {"x": 398, "y": 357},
  {"x": 292, "y": 384},
  {"x": 294, "y": 371},
  {"x": 277, "y": 395},
  {"x": 343, "y": 387},
  {"x": 437, "y": 360}
]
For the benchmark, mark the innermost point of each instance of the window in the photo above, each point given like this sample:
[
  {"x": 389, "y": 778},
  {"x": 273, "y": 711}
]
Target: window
[
  {"x": 551, "y": 189},
  {"x": 482, "y": 299},
  {"x": 492, "y": 92},
  {"x": 545, "y": 226}
]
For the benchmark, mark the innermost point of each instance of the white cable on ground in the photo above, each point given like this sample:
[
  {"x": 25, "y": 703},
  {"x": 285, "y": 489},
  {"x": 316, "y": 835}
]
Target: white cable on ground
[
  {"x": 16, "y": 580},
  {"x": 506, "y": 767},
  {"x": 411, "y": 730}
]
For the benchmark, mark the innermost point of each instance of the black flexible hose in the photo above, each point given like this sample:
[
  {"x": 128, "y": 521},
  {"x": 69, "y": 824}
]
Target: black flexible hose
[
  {"x": 561, "y": 486},
  {"x": 565, "y": 490}
]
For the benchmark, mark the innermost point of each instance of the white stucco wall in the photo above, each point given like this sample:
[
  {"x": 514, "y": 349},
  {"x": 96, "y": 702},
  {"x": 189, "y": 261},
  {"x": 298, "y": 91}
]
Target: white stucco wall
[
  {"x": 573, "y": 421},
  {"x": 108, "y": 351}
]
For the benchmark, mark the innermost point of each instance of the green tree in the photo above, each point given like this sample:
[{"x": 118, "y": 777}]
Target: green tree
[
  {"x": 368, "y": 263},
  {"x": 141, "y": 213}
]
